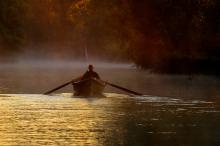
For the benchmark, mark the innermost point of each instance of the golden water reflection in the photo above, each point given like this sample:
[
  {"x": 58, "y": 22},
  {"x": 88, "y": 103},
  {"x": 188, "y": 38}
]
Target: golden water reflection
[
  {"x": 45, "y": 120},
  {"x": 33, "y": 119}
]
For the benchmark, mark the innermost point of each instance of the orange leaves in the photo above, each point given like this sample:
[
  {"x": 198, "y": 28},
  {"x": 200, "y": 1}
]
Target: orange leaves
[{"x": 78, "y": 9}]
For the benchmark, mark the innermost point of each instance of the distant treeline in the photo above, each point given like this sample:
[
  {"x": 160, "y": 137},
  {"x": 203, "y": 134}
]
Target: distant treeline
[{"x": 175, "y": 36}]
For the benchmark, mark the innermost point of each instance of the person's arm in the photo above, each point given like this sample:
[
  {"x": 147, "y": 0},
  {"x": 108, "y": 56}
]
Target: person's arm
[
  {"x": 85, "y": 75},
  {"x": 97, "y": 76},
  {"x": 80, "y": 77},
  {"x": 77, "y": 79}
]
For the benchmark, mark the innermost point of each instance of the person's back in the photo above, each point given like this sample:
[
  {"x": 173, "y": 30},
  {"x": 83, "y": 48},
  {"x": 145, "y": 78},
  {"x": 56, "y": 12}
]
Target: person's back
[{"x": 90, "y": 74}]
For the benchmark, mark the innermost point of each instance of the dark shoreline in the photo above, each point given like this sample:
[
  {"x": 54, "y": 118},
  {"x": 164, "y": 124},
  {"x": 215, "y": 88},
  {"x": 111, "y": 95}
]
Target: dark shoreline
[{"x": 185, "y": 67}]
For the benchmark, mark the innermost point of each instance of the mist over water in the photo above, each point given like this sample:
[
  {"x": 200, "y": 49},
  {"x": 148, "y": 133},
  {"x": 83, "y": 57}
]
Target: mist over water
[
  {"x": 31, "y": 64},
  {"x": 46, "y": 43},
  {"x": 176, "y": 110},
  {"x": 40, "y": 76}
]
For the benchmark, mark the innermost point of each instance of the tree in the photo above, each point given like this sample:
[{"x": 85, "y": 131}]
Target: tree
[{"x": 12, "y": 24}]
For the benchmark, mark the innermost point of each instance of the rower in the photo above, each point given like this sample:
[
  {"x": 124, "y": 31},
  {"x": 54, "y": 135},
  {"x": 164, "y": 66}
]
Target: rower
[{"x": 90, "y": 73}]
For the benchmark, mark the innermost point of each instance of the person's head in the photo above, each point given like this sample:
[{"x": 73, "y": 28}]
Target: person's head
[{"x": 90, "y": 67}]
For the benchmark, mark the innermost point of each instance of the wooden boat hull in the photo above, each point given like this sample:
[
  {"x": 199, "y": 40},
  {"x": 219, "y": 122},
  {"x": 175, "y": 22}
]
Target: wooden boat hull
[{"x": 88, "y": 88}]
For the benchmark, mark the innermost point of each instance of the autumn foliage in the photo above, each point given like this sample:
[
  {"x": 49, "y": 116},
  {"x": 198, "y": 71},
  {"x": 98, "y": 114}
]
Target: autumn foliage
[{"x": 161, "y": 35}]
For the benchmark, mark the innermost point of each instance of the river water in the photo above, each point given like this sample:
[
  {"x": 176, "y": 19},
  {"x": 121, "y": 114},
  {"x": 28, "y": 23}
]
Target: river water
[{"x": 176, "y": 110}]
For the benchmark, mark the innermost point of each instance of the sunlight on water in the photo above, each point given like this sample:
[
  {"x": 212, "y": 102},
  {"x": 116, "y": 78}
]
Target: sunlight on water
[
  {"x": 42, "y": 120},
  {"x": 34, "y": 119},
  {"x": 180, "y": 112}
]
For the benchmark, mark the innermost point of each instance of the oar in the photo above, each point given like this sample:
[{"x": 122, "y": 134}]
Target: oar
[
  {"x": 124, "y": 89},
  {"x": 57, "y": 88},
  {"x": 61, "y": 86}
]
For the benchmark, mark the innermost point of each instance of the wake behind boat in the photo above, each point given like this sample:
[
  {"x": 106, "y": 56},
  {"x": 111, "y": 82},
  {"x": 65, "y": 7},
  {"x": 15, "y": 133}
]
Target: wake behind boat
[{"x": 89, "y": 88}]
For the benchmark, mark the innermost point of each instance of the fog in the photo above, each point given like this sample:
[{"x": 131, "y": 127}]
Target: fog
[
  {"x": 41, "y": 76},
  {"x": 64, "y": 64},
  {"x": 168, "y": 50}
]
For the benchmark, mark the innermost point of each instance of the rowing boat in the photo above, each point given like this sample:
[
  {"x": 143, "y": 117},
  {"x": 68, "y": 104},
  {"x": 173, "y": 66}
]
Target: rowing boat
[{"x": 89, "y": 88}]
